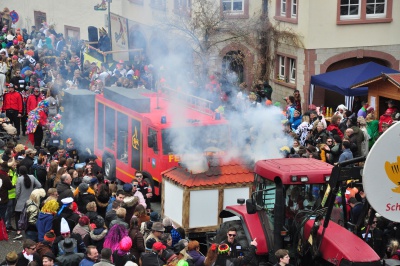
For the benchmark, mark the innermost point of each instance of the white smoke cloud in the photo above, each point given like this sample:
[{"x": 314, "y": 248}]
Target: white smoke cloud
[{"x": 254, "y": 135}]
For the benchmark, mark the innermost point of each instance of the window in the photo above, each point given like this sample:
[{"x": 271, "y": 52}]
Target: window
[
  {"x": 122, "y": 139},
  {"x": 283, "y": 7},
  {"x": 286, "y": 10},
  {"x": 350, "y": 9},
  {"x": 281, "y": 68},
  {"x": 294, "y": 9},
  {"x": 182, "y": 7},
  {"x": 158, "y": 4},
  {"x": 138, "y": 2},
  {"x": 182, "y": 4},
  {"x": 364, "y": 11},
  {"x": 292, "y": 70},
  {"x": 286, "y": 70},
  {"x": 235, "y": 9},
  {"x": 233, "y": 5},
  {"x": 376, "y": 8}
]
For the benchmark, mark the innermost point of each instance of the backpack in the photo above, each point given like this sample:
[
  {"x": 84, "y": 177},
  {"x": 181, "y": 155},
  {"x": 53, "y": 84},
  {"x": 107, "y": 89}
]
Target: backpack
[{"x": 23, "y": 219}]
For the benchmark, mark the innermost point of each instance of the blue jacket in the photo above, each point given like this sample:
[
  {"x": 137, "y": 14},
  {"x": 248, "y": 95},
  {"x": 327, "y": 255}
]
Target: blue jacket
[
  {"x": 86, "y": 262},
  {"x": 44, "y": 224},
  {"x": 295, "y": 122},
  {"x": 346, "y": 155}
]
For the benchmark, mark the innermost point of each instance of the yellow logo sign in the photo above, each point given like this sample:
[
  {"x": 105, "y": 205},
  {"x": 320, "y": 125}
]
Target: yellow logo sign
[
  {"x": 393, "y": 173},
  {"x": 135, "y": 140}
]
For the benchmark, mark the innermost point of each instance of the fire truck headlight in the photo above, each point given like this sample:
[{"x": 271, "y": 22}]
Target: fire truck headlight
[{"x": 304, "y": 179}]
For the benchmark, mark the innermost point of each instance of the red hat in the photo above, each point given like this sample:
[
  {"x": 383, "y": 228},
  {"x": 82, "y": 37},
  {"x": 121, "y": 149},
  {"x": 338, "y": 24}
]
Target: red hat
[
  {"x": 159, "y": 246},
  {"x": 14, "y": 57},
  {"x": 126, "y": 243}
]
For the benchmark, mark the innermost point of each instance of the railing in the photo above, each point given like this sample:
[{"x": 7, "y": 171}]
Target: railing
[
  {"x": 104, "y": 54},
  {"x": 193, "y": 102}
]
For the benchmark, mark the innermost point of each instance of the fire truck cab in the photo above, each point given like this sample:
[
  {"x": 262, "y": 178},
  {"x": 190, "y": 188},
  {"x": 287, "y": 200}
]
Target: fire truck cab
[
  {"x": 281, "y": 214},
  {"x": 135, "y": 129}
]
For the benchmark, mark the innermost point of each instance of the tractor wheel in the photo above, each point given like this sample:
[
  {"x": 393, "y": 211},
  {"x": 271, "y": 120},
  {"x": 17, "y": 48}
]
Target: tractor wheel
[{"x": 109, "y": 169}]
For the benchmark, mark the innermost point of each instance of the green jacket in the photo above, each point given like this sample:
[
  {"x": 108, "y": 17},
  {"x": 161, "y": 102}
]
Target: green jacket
[{"x": 14, "y": 177}]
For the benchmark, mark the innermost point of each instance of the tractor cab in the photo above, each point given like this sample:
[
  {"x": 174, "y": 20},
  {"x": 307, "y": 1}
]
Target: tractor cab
[{"x": 286, "y": 210}]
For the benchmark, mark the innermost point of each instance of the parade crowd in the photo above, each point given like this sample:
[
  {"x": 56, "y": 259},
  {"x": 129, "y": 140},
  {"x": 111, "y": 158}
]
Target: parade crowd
[
  {"x": 346, "y": 134},
  {"x": 53, "y": 197},
  {"x": 57, "y": 201}
]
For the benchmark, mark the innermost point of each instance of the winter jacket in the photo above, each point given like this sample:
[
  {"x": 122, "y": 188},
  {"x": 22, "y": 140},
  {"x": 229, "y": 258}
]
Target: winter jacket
[
  {"x": 335, "y": 130},
  {"x": 40, "y": 173},
  {"x": 197, "y": 257},
  {"x": 33, "y": 102},
  {"x": 44, "y": 224},
  {"x": 5, "y": 187},
  {"x": 102, "y": 203},
  {"x": 97, "y": 237},
  {"x": 14, "y": 177},
  {"x": 86, "y": 262},
  {"x": 359, "y": 139},
  {"x": 24, "y": 193},
  {"x": 119, "y": 221},
  {"x": 28, "y": 162},
  {"x": 137, "y": 242},
  {"x": 43, "y": 247},
  {"x": 90, "y": 191},
  {"x": 120, "y": 257},
  {"x": 76, "y": 238},
  {"x": 69, "y": 214},
  {"x": 130, "y": 203},
  {"x": 92, "y": 216},
  {"x": 81, "y": 230},
  {"x": 64, "y": 191},
  {"x": 33, "y": 214},
  {"x": 104, "y": 262},
  {"x": 70, "y": 259},
  {"x": 151, "y": 259},
  {"x": 82, "y": 199},
  {"x": 111, "y": 215},
  {"x": 22, "y": 261},
  {"x": 12, "y": 101}
]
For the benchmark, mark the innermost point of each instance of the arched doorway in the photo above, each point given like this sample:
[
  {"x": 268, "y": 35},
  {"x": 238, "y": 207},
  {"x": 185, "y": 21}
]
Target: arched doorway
[{"x": 233, "y": 67}]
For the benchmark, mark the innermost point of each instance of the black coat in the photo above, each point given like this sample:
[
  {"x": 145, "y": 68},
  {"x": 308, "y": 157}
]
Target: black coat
[
  {"x": 24, "y": 262},
  {"x": 40, "y": 173},
  {"x": 82, "y": 199},
  {"x": 64, "y": 191},
  {"x": 28, "y": 162}
]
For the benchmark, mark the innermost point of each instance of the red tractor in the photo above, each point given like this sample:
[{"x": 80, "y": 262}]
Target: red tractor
[{"x": 286, "y": 210}]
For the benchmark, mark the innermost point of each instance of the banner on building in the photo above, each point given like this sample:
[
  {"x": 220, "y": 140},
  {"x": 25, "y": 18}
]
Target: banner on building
[{"x": 119, "y": 35}]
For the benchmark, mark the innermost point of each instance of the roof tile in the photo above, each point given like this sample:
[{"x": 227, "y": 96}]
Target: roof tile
[{"x": 225, "y": 173}]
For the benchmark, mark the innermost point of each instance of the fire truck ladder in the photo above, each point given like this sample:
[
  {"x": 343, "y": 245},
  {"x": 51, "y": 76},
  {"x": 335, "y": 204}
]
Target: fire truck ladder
[{"x": 193, "y": 102}]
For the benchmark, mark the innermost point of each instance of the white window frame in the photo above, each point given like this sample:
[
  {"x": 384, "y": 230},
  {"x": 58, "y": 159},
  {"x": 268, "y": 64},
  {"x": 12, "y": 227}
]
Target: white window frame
[
  {"x": 281, "y": 69},
  {"x": 232, "y": 2},
  {"x": 358, "y": 16},
  {"x": 294, "y": 9},
  {"x": 292, "y": 70},
  {"x": 377, "y": 15},
  {"x": 283, "y": 7}
]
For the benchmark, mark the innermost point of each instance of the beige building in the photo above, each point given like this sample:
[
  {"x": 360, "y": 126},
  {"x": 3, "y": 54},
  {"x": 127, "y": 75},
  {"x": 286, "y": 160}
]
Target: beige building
[
  {"x": 335, "y": 34},
  {"x": 142, "y": 17}
]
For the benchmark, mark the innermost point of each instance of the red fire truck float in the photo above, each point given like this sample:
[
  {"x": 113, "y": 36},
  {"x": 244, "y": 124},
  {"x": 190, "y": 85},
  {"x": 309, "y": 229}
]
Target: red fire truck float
[{"x": 134, "y": 130}]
